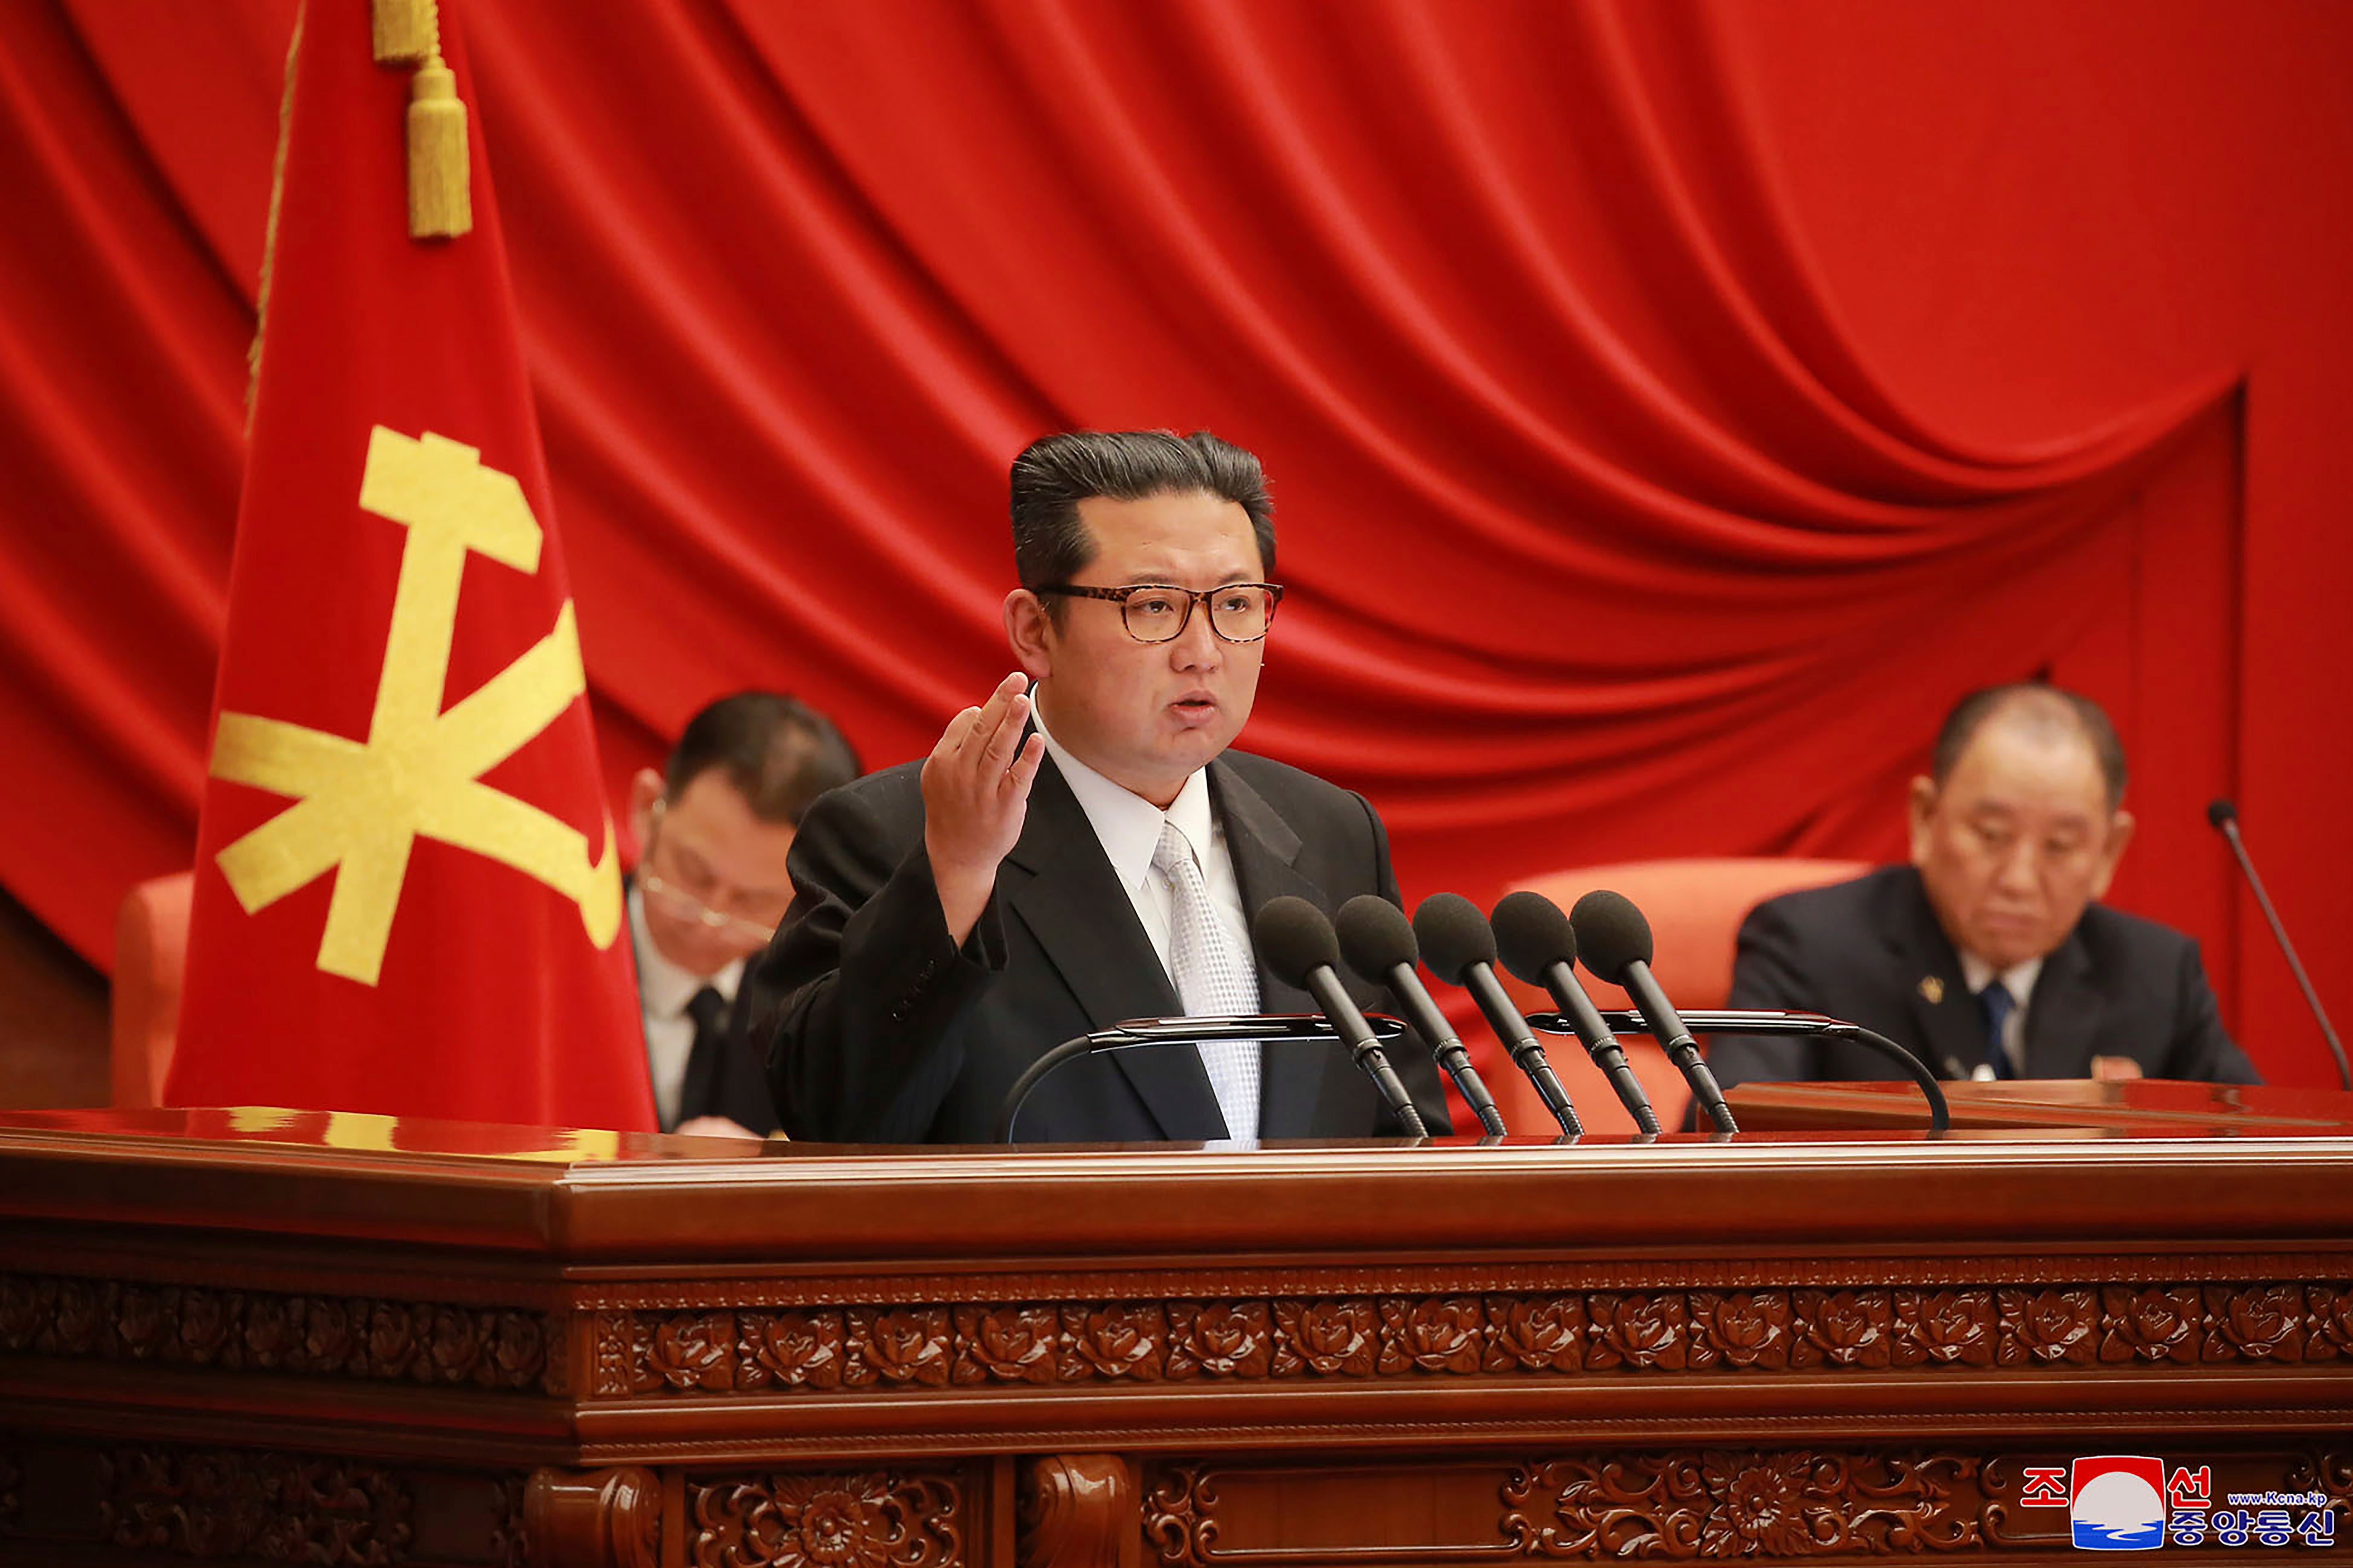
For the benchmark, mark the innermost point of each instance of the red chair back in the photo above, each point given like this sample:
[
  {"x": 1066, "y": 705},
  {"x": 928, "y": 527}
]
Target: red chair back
[
  {"x": 150, "y": 962},
  {"x": 1695, "y": 907}
]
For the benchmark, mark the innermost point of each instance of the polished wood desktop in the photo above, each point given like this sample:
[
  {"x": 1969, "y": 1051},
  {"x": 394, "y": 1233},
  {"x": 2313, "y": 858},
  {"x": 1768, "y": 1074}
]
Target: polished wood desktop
[{"x": 270, "y": 1336}]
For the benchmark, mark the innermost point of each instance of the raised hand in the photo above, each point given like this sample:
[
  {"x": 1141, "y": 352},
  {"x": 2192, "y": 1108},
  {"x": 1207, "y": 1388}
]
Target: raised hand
[{"x": 975, "y": 797}]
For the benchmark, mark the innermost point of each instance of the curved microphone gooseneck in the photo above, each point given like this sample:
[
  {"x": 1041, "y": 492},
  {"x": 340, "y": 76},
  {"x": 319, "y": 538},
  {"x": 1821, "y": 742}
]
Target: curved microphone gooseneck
[
  {"x": 1618, "y": 1020},
  {"x": 1271, "y": 1028}
]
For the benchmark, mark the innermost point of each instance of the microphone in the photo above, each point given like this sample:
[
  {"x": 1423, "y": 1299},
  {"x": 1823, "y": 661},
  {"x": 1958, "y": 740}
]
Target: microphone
[
  {"x": 1614, "y": 940},
  {"x": 1460, "y": 951},
  {"x": 1300, "y": 949},
  {"x": 2225, "y": 818},
  {"x": 1539, "y": 945},
  {"x": 1377, "y": 942}
]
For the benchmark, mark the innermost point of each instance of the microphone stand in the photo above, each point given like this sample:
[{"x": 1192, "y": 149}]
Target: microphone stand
[
  {"x": 1621, "y": 1021},
  {"x": 1270, "y": 1028},
  {"x": 2226, "y": 822}
]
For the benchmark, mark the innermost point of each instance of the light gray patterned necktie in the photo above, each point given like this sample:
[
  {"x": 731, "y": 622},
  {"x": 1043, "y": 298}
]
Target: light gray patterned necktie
[{"x": 1212, "y": 978}]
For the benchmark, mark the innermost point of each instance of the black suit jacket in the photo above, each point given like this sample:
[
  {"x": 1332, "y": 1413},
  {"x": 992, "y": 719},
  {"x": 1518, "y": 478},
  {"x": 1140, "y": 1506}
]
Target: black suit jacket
[
  {"x": 878, "y": 1029},
  {"x": 1866, "y": 951},
  {"x": 731, "y": 1083}
]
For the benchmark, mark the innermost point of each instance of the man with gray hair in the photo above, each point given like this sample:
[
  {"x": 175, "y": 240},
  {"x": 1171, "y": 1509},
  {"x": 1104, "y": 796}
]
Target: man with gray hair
[
  {"x": 1988, "y": 955},
  {"x": 1081, "y": 848}
]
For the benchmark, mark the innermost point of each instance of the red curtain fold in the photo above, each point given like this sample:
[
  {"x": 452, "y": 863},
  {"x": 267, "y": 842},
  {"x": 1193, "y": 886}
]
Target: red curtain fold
[{"x": 1618, "y": 515}]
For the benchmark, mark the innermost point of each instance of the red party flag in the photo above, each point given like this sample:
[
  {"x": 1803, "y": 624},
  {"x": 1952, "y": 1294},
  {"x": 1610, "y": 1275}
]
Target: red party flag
[{"x": 407, "y": 899}]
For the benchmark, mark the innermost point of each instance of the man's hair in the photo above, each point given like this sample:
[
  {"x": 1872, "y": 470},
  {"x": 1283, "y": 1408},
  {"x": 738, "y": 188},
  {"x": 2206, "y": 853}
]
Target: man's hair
[
  {"x": 777, "y": 751},
  {"x": 2045, "y": 707},
  {"x": 1052, "y": 476}
]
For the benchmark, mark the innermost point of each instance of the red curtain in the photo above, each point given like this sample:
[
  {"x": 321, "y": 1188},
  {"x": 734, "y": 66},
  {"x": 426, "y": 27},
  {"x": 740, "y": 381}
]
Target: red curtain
[{"x": 1671, "y": 407}]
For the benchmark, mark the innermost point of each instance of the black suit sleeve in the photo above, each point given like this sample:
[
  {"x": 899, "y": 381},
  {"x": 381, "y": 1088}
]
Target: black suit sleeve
[
  {"x": 854, "y": 1000},
  {"x": 1767, "y": 972},
  {"x": 2201, "y": 1050}
]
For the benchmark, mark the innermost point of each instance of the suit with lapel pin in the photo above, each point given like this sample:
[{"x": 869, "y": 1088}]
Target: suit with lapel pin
[
  {"x": 1872, "y": 951},
  {"x": 878, "y": 1030}
]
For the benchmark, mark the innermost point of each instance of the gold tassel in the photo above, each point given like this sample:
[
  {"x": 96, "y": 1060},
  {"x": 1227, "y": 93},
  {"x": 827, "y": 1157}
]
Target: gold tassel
[
  {"x": 405, "y": 32},
  {"x": 440, "y": 199}
]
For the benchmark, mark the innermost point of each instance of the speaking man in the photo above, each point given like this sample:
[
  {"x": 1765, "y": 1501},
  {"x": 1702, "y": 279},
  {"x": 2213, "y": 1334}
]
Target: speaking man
[
  {"x": 1987, "y": 954},
  {"x": 709, "y": 889},
  {"x": 1080, "y": 847}
]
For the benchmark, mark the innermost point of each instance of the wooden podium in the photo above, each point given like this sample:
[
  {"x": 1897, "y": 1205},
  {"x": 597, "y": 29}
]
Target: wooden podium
[{"x": 262, "y": 1336}]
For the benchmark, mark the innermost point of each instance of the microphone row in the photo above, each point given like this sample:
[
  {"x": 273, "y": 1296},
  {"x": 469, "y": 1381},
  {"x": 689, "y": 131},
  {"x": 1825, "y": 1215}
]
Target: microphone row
[{"x": 1535, "y": 941}]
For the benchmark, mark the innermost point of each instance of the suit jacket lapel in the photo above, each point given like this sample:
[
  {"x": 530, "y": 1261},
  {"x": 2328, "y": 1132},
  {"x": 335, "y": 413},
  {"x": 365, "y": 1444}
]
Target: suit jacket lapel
[
  {"x": 1265, "y": 849},
  {"x": 1073, "y": 905},
  {"x": 2063, "y": 1017},
  {"x": 1945, "y": 1012}
]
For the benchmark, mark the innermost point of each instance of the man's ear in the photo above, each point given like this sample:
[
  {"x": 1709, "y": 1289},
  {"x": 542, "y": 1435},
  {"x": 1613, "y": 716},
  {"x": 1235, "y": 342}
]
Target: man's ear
[
  {"x": 644, "y": 790},
  {"x": 1921, "y": 807},
  {"x": 1029, "y": 628},
  {"x": 2120, "y": 832}
]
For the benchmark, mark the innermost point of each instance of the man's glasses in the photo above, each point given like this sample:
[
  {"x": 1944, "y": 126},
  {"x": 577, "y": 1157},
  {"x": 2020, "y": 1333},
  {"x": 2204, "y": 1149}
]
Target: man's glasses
[
  {"x": 679, "y": 904},
  {"x": 1160, "y": 612}
]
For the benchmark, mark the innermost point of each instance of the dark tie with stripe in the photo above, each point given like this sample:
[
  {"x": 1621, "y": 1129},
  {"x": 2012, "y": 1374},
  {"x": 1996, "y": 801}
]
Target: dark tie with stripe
[{"x": 1997, "y": 1004}]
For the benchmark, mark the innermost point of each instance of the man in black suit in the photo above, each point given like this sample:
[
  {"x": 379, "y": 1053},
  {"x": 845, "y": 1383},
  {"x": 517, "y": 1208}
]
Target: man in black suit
[
  {"x": 714, "y": 827},
  {"x": 1051, "y": 869},
  {"x": 1988, "y": 955}
]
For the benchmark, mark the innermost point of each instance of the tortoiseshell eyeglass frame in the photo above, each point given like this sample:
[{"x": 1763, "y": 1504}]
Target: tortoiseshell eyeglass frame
[{"x": 1121, "y": 595}]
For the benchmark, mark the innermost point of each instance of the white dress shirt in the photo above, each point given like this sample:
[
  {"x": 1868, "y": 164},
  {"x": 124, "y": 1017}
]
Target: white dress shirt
[
  {"x": 1128, "y": 828},
  {"x": 663, "y": 991}
]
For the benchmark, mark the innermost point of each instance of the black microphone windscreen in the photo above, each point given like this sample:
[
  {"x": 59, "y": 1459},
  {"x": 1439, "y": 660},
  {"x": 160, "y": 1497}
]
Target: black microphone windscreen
[
  {"x": 1454, "y": 936},
  {"x": 1533, "y": 935},
  {"x": 2220, "y": 811},
  {"x": 1375, "y": 937},
  {"x": 1610, "y": 933},
  {"x": 1293, "y": 937}
]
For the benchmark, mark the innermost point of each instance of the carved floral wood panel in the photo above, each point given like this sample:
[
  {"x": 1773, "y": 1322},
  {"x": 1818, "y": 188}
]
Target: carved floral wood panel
[
  {"x": 873, "y": 1518},
  {"x": 110, "y": 1501},
  {"x": 260, "y": 1330},
  {"x": 716, "y": 1351},
  {"x": 1686, "y": 1504},
  {"x": 1718, "y": 1502},
  {"x": 246, "y": 1503},
  {"x": 1616, "y": 1332}
]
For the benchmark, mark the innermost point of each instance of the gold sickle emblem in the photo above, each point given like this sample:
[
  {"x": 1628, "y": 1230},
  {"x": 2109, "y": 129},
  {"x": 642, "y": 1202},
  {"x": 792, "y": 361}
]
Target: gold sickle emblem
[{"x": 360, "y": 808}]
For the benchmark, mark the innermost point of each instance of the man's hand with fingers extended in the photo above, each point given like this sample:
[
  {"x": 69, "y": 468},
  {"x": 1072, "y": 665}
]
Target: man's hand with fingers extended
[{"x": 975, "y": 796}]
